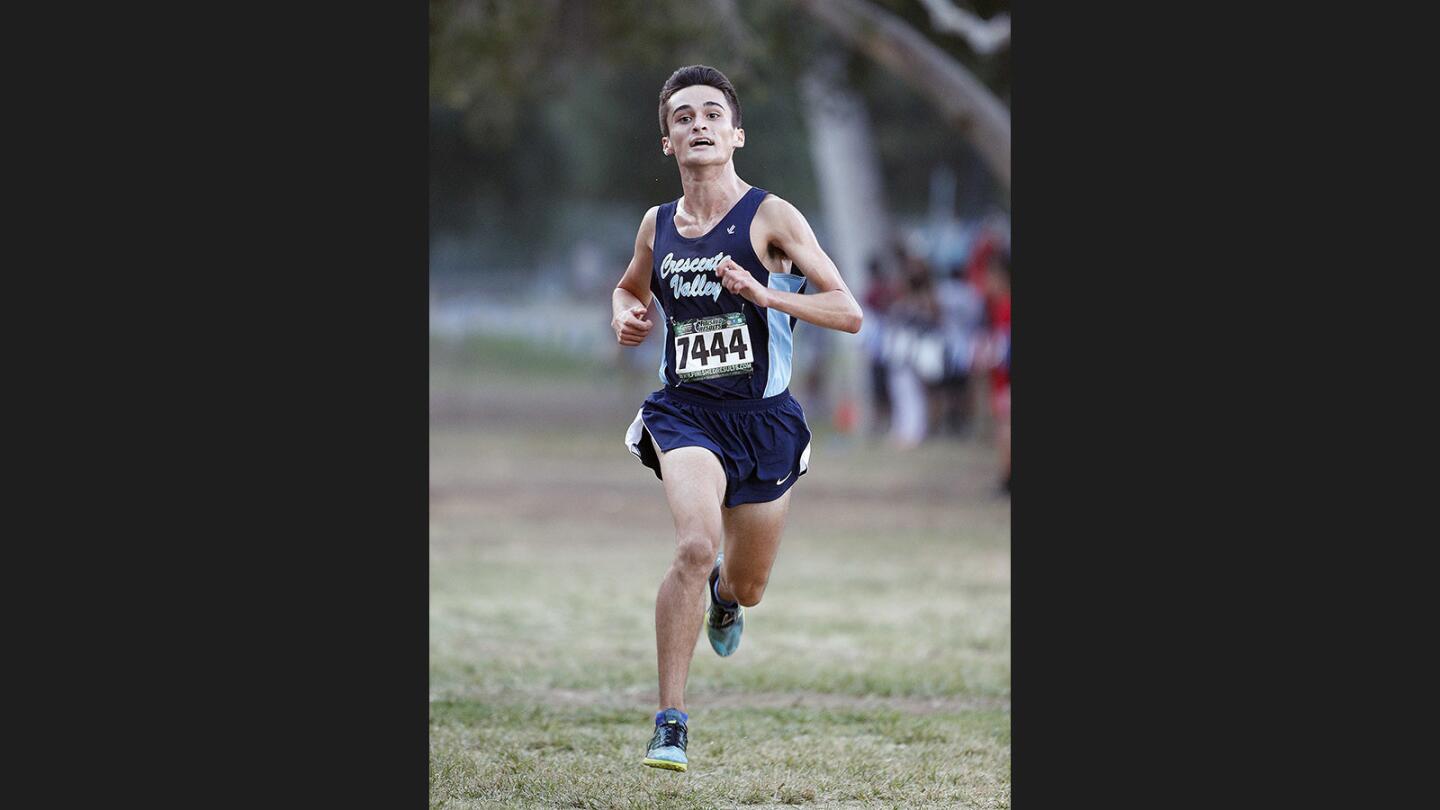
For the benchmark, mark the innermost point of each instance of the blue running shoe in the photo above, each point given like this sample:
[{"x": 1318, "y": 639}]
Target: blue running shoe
[
  {"x": 667, "y": 747},
  {"x": 723, "y": 624}
]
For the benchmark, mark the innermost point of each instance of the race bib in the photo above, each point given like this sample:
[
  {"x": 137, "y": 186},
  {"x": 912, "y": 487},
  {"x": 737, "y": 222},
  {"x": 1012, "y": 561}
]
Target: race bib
[{"x": 716, "y": 346}]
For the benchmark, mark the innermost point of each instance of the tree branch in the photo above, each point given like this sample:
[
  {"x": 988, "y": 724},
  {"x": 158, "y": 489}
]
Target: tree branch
[
  {"x": 962, "y": 100},
  {"x": 985, "y": 37}
]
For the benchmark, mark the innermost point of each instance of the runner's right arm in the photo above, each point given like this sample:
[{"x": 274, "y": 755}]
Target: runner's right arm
[{"x": 631, "y": 299}]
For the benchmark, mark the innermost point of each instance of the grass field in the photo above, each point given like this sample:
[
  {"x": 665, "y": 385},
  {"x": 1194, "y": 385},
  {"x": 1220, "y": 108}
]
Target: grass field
[{"x": 876, "y": 672}]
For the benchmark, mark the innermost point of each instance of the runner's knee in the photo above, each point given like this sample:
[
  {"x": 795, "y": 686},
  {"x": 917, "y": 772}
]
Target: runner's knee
[
  {"x": 695, "y": 554},
  {"x": 747, "y": 592}
]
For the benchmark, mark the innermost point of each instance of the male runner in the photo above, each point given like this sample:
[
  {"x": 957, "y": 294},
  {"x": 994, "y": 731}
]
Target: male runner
[{"x": 728, "y": 265}]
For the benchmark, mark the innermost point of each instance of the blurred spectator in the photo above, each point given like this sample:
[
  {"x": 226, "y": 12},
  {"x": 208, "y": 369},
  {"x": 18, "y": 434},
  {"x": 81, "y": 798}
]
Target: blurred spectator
[
  {"x": 915, "y": 352},
  {"x": 931, "y": 341},
  {"x": 995, "y": 283},
  {"x": 961, "y": 313},
  {"x": 880, "y": 294},
  {"x": 917, "y": 305},
  {"x": 987, "y": 243}
]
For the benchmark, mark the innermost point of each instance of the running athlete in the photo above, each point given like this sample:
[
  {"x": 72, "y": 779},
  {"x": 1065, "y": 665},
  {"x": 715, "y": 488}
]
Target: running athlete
[{"x": 728, "y": 265}]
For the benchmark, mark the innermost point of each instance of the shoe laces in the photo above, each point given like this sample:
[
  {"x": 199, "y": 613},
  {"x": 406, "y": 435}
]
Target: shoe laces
[
  {"x": 672, "y": 734},
  {"x": 721, "y": 616}
]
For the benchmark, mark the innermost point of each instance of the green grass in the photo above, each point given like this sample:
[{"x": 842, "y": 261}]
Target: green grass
[
  {"x": 876, "y": 672},
  {"x": 488, "y": 754}
]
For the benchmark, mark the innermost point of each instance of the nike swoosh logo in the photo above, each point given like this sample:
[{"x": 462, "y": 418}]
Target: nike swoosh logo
[{"x": 786, "y": 478}]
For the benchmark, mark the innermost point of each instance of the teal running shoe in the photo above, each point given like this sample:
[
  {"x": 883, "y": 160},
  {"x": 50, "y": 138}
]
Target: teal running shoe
[
  {"x": 723, "y": 624},
  {"x": 667, "y": 747}
]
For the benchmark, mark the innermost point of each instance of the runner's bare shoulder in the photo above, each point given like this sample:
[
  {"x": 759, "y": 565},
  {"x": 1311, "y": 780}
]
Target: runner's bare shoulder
[
  {"x": 775, "y": 210},
  {"x": 646, "y": 235},
  {"x": 777, "y": 223}
]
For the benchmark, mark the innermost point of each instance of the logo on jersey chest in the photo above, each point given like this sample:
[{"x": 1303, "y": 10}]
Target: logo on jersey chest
[{"x": 698, "y": 286}]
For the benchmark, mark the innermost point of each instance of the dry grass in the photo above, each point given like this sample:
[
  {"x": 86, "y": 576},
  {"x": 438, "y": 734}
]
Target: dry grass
[{"x": 875, "y": 673}]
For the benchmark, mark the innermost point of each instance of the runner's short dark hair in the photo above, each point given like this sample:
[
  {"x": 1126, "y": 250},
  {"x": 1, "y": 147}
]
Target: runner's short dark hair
[{"x": 698, "y": 74}]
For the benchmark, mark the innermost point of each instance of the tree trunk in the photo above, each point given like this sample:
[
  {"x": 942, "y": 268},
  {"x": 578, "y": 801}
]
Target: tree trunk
[{"x": 847, "y": 171}]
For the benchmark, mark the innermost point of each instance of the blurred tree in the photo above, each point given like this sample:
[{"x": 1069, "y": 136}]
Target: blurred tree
[
  {"x": 544, "y": 130},
  {"x": 543, "y": 115},
  {"x": 962, "y": 100}
]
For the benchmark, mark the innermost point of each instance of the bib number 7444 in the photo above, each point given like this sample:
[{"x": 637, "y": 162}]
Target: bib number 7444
[{"x": 715, "y": 346}]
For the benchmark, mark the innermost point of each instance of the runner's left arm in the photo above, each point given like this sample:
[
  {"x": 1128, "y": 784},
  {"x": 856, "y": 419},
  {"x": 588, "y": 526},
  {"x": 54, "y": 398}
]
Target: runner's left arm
[{"x": 831, "y": 306}]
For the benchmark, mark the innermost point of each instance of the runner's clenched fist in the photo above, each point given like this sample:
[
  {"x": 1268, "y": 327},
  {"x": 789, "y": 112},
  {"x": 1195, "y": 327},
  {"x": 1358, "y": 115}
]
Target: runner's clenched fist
[
  {"x": 631, "y": 325},
  {"x": 738, "y": 280}
]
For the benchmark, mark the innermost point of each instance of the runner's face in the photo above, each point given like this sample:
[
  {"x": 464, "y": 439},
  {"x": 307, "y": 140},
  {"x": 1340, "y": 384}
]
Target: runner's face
[{"x": 698, "y": 113}]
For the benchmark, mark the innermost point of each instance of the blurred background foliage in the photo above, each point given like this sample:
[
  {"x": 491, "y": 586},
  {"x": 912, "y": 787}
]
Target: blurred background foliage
[{"x": 545, "y": 133}]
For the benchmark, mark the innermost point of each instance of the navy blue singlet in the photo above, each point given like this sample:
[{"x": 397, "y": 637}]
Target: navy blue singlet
[{"x": 702, "y": 319}]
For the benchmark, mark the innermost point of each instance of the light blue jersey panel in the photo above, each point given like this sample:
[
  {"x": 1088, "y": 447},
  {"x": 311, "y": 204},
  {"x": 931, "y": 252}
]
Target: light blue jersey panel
[
  {"x": 664, "y": 338},
  {"x": 781, "y": 339}
]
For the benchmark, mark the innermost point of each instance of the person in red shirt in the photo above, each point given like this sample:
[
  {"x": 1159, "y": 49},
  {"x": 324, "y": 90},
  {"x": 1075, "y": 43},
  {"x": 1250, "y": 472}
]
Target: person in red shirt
[{"x": 993, "y": 277}]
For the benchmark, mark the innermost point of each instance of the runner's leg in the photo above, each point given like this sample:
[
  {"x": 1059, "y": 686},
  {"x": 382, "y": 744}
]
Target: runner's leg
[
  {"x": 752, "y": 540},
  {"x": 695, "y": 486}
]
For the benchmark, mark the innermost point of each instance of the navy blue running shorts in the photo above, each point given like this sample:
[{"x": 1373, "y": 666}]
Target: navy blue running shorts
[{"x": 762, "y": 444}]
